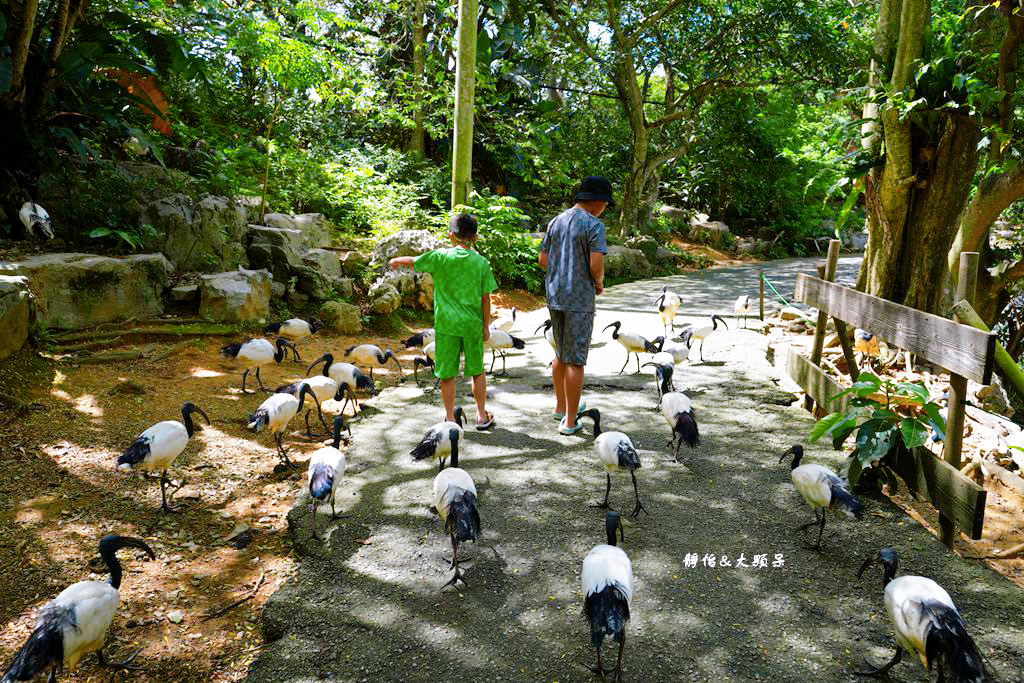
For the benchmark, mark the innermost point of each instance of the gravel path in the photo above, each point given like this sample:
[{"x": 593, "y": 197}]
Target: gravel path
[{"x": 365, "y": 606}]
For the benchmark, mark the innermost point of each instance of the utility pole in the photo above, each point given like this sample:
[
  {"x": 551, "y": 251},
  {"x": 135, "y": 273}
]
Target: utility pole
[{"x": 465, "y": 83}]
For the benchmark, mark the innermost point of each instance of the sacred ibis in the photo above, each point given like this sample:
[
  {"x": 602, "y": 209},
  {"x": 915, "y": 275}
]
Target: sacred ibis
[
  {"x": 633, "y": 343},
  {"x": 617, "y": 454},
  {"x": 926, "y": 624},
  {"x": 275, "y": 413},
  {"x": 348, "y": 377},
  {"x": 36, "y": 221},
  {"x": 455, "y": 502},
  {"x": 742, "y": 307},
  {"x": 324, "y": 388},
  {"x": 693, "y": 333},
  {"x": 75, "y": 622},
  {"x": 426, "y": 360},
  {"x": 668, "y": 305},
  {"x": 607, "y": 581},
  {"x": 498, "y": 342},
  {"x": 421, "y": 338},
  {"x": 662, "y": 377},
  {"x": 549, "y": 334},
  {"x": 822, "y": 489},
  {"x": 157, "y": 447},
  {"x": 326, "y": 467},
  {"x": 669, "y": 356},
  {"x": 372, "y": 356},
  {"x": 293, "y": 330},
  {"x": 504, "y": 323},
  {"x": 677, "y": 410},
  {"x": 441, "y": 440},
  {"x": 255, "y": 353}
]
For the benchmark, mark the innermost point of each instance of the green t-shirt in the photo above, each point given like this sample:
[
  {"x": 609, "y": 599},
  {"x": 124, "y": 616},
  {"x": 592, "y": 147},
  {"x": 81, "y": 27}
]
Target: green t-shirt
[{"x": 461, "y": 278}]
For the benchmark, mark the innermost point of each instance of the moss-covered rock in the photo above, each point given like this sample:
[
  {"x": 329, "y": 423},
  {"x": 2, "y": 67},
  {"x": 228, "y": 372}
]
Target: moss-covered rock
[{"x": 15, "y": 313}]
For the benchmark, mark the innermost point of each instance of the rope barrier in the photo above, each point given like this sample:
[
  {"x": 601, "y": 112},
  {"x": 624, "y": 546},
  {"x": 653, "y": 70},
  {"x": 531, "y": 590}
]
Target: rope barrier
[{"x": 767, "y": 282}]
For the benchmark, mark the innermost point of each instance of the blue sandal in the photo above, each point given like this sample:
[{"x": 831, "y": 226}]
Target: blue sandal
[
  {"x": 560, "y": 416},
  {"x": 569, "y": 431}
]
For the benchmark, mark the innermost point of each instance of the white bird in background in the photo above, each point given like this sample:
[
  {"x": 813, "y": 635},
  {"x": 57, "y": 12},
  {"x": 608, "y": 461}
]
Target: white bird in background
[
  {"x": 348, "y": 377},
  {"x": 255, "y": 353},
  {"x": 293, "y": 330},
  {"x": 822, "y": 489},
  {"x": 694, "y": 333},
  {"x": 157, "y": 447},
  {"x": 275, "y": 413},
  {"x": 742, "y": 307},
  {"x": 926, "y": 624},
  {"x": 326, "y": 467},
  {"x": 75, "y": 622},
  {"x": 677, "y": 410},
  {"x": 549, "y": 334},
  {"x": 668, "y": 305},
  {"x": 456, "y": 505},
  {"x": 498, "y": 343},
  {"x": 372, "y": 356},
  {"x": 426, "y": 360},
  {"x": 504, "y": 323},
  {"x": 36, "y": 221},
  {"x": 633, "y": 343},
  {"x": 421, "y": 338},
  {"x": 607, "y": 582},
  {"x": 617, "y": 454},
  {"x": 441, "y": 440},
  {"x": 324, "y": 388}
]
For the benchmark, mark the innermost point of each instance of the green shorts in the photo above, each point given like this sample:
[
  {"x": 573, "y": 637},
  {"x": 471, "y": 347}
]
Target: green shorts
[{"x": 447, "y": 348}]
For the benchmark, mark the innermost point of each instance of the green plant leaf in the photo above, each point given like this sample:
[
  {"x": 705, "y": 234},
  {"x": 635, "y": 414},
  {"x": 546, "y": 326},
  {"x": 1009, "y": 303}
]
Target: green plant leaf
[
  {"x": 874, "y": 439},
  {"x": 824, "y": 425},
  {"x": 914, "y": 433},
  {"x": 853, "y": 470},
  {"x": 866, "y": 384},
  {"x": 914, "y": 389},
  {"x": 100, "y": 232},
  {"x": 841, "y": 431},
  {"x": 936, "y": 420}
]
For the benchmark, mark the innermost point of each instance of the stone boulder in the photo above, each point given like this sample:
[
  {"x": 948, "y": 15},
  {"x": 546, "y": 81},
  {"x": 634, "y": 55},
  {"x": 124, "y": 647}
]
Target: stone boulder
[
  {"x": 313, "y": 283},
  {"x": 705, "y": 231},
  {"x": 277, "y": 250},
  {"x": 405, "y": 243},
  {"x": 384, "y": 298},
  {"x": 341, "y": 317},
  {"x": 235, "y": 296},
  {"x": 416, "y": 289},
  {"x": 646, "y": 244},
  {"x": 627, "y": 263},
  {"x": 991, "y": 397},
  {"x": 673, "y": 213},
  {"x": 324, "y": 261},
  {"x": 15, "y": 313},
  {"x": 314, "y": 228},
  {"x": 207, "y": 235},
  {"x": 663, "y": 255},
  {"x": 354, "y": 262},
  {"x": 75, "y": 291}
]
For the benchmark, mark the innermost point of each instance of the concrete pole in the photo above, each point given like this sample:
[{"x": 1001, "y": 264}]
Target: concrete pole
[{"x": 465, "y": 84}]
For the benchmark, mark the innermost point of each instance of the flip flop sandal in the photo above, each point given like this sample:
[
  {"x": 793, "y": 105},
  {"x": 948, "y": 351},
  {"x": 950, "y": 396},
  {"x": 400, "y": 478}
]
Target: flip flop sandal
[
  {"x": 569, "y": 431},
  {"x": 558, "y": 417},
  {"x": 486, "y": 425}
]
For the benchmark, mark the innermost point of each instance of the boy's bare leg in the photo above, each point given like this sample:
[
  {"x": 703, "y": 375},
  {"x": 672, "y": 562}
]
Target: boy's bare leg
[
  {"x": 448, "y": 397},
  {"x": 573, "y": 389},
  {"x": 558, "y": 379},
  {"x": 480, "y": 394}
]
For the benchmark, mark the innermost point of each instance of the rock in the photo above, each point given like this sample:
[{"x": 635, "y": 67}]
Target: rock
[
  {"x": 416, "y": 289},
  {"x": 663, "y": 255},
  {"x": 187, "y": 292},
  {"x": 278, "y": 250},
  {"x": 405, "y": 243},
  {"x": 713, "y": 233},
  {"x": 341, "y": 317},
  {"x": 324, "y": 261},
  {"x": 353, "y": 262},
  {"x": 345, "y": 286},
  {"x": 204, "y": 236},
  {"x": 992, "y": 397},
  {"x": 74, "y": 291},
  {"x": 175, "y": 616},
  {"x": 310, "y": 281},
  {"x": 646, "y": 244},
  {"x": 625, "y": 262},
  {"x": 297, "y": 299},
  {"x": 790, "y": 313},
  {"x": 235, "y": 296},
  {"x": 855, "y": 241},
  {"x": 673, "y": 213},
  {"x": 384, "y": 298},
  {"x": 796, "y": 326},
  {"x": 278, "y": 289},
  {"x": 15, "y": 313},
  {"x": 314, "y": 229}
]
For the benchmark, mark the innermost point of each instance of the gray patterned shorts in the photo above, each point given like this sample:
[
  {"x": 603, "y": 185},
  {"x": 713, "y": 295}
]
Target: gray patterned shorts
[{"x": 572, "y": 331}]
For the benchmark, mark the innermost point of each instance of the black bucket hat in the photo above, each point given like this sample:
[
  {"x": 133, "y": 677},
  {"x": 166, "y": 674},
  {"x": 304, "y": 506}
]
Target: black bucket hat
[{"x": 595, "y": 188}]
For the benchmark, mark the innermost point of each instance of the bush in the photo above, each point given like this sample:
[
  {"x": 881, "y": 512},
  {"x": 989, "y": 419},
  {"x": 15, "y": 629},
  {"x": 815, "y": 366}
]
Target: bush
[{"x": 511, "y": 251}]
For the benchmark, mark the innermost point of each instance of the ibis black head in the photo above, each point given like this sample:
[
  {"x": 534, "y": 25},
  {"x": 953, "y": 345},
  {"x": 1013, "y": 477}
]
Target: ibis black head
[
  {"x": 186, "y": 415},
  {"x": 282, "y": 344},
  {"x": 110, "y": 544},
  {"x": 391, "y": 354},
  {"x": 460, "y": 416},
  {"x": 546, "y": 325},
  {"x": 659, "y": 342},
  {"x": 888, "y": 558},
  {"x": 303, "y": 393},
  {"x": 715, "y": 319},
  {"x": 595, "y": 415},
  {"x": 613, "y": 523},
  {"x": 687, "y": 337},
  {"x": 617, "y": 324},
  {"x": 797, "y": 451},
  {"x": 513, "y": 314},
  {"x": 315, "y": 326},
  {"x": 327, "y": 359},
  {"x": 339, "y": 424}
]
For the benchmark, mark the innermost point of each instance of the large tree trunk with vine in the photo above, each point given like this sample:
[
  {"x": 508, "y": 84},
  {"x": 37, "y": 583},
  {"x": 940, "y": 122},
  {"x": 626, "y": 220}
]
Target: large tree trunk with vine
[{"x": 419, "y": 59}]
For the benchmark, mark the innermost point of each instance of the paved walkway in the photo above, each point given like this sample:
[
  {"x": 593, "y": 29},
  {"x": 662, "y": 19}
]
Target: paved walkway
[{"x": 365, "y": 606}]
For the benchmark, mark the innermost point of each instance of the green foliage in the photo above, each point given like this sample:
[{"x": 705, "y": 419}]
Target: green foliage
[
  {"x": 511, "y": 251},
  {"x": 134, "y": 239},
  {"x": 882, "y": 414}
]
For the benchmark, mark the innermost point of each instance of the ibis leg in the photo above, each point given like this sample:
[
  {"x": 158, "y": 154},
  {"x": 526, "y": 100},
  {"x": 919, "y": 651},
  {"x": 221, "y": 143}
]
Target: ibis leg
[
  {"x": 260, "y": 380},
  {"x": 457, "y": 576},
  {"x": 327, "y": 430},
  {"x": 623, "y": 368},
  {"x": 124, "y": 664},
  {"x": 618, "y": 662},
  {"x": 600, "y": 665},
  {"x": 636, "y": 492},
  {"x": 312, "y": 518},
  {"x": 882, "y": 671},
  {"x": 638, "y": 363},
  {"x": 244, "y": 375},
  {"x": 164, "y": 505},
  {"x": 607, "y": 490}
]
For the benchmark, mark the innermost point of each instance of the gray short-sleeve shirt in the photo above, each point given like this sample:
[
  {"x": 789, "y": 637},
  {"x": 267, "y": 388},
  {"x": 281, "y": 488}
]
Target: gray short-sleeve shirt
[{"x": 570, "y": 238}]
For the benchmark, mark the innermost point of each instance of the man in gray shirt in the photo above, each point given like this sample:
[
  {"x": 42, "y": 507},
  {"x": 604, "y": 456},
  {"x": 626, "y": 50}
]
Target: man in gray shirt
[{"x": 573, "y": 253}]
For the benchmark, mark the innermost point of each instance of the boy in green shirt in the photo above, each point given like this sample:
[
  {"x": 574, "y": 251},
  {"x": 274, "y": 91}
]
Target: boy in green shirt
[{"x": 463, "y": 282}]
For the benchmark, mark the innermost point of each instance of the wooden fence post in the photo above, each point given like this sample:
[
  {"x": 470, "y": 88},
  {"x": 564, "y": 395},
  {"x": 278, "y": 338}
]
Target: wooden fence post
[
  {"x": 829, "y": 274},
  {"x": 760, "y": 279},
  {"x": 953, "y": 447}
]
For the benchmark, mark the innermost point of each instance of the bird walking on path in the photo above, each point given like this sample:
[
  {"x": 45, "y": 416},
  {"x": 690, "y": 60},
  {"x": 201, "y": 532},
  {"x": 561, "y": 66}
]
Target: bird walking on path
[
  {"x": 694, "y": 333},
  {"x": 293, "y": 330},
  {"x": 420, "y": 339},
  {"x": 427, "y": 361},
  {"x": 75, "y": 622},
  {"x": 822, "y": 489},
  {"x": 677, "y": 409},
  {"x": 373, "y": 356},
  {"x": 633, "y": 343},
  {"x": 157, "y": 448},
  {"x": 607, "y": 581},
  {"x": 326, "y": 467},
  {"x": 276, "y": 412},
  {"x": 926, "y": 624},
  {"x": 668, "y": 305},
  {"x": 255, "y": 353},
  {"x": 742, "y": 308},
  {"x": 498, "y": 343},
  {"x": 324, "y": 388},
  {"x": 617, "y": 454},
  {"x": 662, "y": 378},
  {"x": 456, "y": 505},
  {"x": 441, "y": 440},
  {"x": 348, "y": 377}
]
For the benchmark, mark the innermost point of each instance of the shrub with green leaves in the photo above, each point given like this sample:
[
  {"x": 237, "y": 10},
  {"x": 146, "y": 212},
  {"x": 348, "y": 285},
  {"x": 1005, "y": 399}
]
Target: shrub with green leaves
[
  {"x": 511, "y": 251},
  {"x": 883, "y": 414}
]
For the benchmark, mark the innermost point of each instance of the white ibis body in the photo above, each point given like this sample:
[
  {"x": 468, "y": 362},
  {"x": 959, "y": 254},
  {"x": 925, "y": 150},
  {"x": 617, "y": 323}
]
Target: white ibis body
[
  {"x": 348, "y": 377},
  {"x": 677, "y": 409},
  {"x": 371, "y": 356},
  {"x": 275, "y": 413},
  {"x": 441, "y": 440},
  {"x": 607, "y": 582},
  {"x": 632, "y": 342},
  {"x": 326, "y": 467},
  {"x": 616, "y": 454},
  {"x": 822, "y": 489},
  {"x": 255, "y": 353},
  {"x": 456, "y": 505}
]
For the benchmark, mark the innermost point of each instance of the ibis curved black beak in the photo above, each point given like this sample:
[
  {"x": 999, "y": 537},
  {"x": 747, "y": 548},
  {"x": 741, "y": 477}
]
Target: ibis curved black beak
[{"x": 327, "y": 358}]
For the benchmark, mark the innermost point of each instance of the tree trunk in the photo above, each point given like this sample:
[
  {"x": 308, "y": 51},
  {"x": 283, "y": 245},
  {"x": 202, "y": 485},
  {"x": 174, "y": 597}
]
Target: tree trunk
[
  {"x": 419, "y": 58},
  {"x": 465, "y": 83},
  {"x": 631, "y": 96}
]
